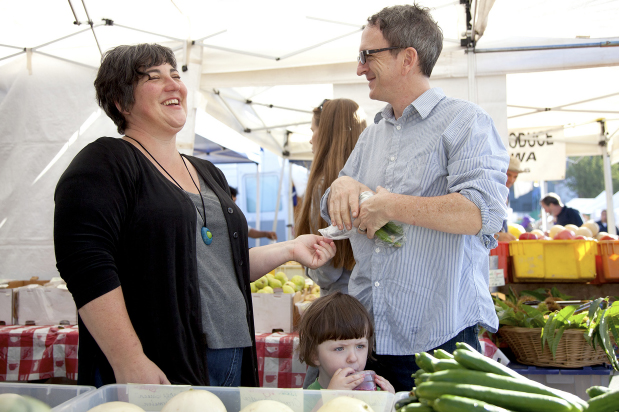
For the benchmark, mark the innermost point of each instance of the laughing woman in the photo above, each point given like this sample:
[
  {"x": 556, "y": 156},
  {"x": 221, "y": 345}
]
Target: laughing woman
[{"x": 151, "y": 245}]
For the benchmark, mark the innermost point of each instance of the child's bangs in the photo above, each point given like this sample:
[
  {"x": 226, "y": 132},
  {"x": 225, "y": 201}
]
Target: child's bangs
[{"x": 345, "y": 324}]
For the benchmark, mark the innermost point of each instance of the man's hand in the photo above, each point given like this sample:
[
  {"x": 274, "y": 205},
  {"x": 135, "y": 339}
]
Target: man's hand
[
  {"x": 344, "y": 200},
  {"x": 140, "y": 370},
  {"x": 345, "y": 379},
  {"x": 312, "y": 251},
  {"x": 505, "y": 237},
  {"x": 272, "y": 235},
  {"x": 374, "y": 212}
]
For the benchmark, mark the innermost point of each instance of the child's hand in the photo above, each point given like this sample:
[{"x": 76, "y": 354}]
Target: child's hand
[
  {"x": 343, "y": 379},
  {"x": 384, "y": 384}
]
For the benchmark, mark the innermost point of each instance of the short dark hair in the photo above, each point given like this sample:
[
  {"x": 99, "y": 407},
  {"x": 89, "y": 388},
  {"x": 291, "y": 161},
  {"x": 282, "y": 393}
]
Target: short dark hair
[
  {"x": 121, "y": 69},
  {"x": 233, "y": 191},
  {"x": 333, "y": 317},
  {"x": 411, "y": 25},
  {"x": 552, "y": 199}
]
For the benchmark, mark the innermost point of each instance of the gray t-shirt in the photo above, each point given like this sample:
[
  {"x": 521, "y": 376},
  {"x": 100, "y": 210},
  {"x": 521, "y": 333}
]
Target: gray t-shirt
[{"x": 223, "y": 307}]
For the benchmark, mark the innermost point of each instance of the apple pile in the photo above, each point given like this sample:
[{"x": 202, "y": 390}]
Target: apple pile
[
  {"x": 279, "y": 280},
  {"x": 588, "y": 231}
]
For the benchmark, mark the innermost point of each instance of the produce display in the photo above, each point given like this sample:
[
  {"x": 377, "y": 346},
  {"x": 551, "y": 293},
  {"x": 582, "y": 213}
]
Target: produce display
[
  {"x": 588, "y": 231},
  {"x": 279, "y": 280},
  {"x": 11, "y": 402},
  {"x": 194, "y": 400},
  {"x": 345, "y": 404},
  {"x": 116, "y": 407},
  {"x": 470, "y": 381},
  {"x": 266, "y": 406},
  {"x": 598, "y": 319}
]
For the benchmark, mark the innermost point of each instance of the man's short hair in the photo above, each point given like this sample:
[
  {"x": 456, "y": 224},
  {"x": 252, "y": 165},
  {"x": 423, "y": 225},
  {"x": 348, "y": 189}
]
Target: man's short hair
[
  {"x": 411, "y": 26},
  {"x": 121, "y": 69},
  {"x": 552, "y": 199},
  {"x": 233, "y": 191}
]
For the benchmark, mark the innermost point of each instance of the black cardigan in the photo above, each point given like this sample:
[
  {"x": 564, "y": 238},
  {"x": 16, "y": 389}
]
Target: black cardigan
[{"x": 119, "y": 222}]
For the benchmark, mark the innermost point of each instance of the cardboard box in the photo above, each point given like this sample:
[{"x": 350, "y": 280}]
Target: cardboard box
[
  {"x": 44, "y": 306},
  {"x": 273, "y": 312},
  {"x": 6, "y": 307}
]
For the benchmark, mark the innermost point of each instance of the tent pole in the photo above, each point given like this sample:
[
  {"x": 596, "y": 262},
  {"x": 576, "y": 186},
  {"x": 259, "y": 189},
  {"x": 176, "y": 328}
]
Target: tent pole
[
  {"x": 258, "y": 198},
  {"x": 543, "y": 192},
  {"x": 608, "y": 180},
  {"x": 290, "y": 224},
  {"x": 279, "y": 193}
]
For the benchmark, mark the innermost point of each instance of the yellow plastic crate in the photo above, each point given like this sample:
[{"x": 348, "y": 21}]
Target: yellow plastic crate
[{"x": 553, "y": 260}]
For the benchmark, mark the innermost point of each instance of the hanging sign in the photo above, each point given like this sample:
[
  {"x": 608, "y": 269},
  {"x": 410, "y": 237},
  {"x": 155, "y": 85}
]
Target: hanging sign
[{"x": 542, "y": 153}]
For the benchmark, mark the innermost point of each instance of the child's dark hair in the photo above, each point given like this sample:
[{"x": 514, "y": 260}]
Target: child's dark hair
[{"x": 333, "y": 317}]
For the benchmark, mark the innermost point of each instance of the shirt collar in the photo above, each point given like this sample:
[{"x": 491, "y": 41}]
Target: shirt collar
[{"x": 423, "y": 104}]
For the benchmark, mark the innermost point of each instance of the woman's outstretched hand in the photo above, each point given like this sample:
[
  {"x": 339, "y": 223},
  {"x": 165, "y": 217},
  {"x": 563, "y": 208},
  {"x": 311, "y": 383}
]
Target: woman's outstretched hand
[{"x": 313, "y": 251}]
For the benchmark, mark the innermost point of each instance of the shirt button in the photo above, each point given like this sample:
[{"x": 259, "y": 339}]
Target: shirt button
[
  {"x": 230, "y": 210},
  {"x": 377, "y": 250},
  {"x": 398, "y": 127},
  {"x": 392, "y": 158},
  {"x": 235, "y": 235},
  {"x": 376, "y": 284},
  {"x": 240, "y": 262}
]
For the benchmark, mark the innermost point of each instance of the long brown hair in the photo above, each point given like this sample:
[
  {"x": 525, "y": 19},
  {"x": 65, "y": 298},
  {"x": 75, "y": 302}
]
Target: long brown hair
[{"x": 339, "y": 126}]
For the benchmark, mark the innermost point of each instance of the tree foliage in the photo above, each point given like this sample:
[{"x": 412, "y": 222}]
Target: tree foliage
[{"x": 585, "y": 176}]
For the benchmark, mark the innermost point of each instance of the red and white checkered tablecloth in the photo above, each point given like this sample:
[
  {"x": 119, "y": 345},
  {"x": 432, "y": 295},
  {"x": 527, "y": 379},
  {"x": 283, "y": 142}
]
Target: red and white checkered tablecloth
[
  {"x": 38, "y": 352},
  {"x": 278, "y": 360}
]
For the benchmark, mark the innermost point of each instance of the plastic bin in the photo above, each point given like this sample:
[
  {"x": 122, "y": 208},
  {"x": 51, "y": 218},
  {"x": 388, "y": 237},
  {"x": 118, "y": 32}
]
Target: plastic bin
[
  {"x": 608, "y": 261},
  {"x": 502, "y": 251},
  {"x": 291, "y": 269},
  {"x": 53, "y": 395},
  {"x": 575, "y": 381},
  {"x": 553, "y": 260},
  {"x": 152, "y": 397}
]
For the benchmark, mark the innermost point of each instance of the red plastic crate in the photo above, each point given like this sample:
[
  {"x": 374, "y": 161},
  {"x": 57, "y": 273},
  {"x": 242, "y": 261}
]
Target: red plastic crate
[
  {"x": 502, "y": 251},
  {"x": 607, "y": 262}
]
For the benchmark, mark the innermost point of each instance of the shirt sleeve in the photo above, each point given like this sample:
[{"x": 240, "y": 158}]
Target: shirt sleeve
[
  {"x": 350, "y": 169},
  {"x": 477, "y": 166},
  {"x": 91, "y": 202},
  {"x": 328, "y": 277}
]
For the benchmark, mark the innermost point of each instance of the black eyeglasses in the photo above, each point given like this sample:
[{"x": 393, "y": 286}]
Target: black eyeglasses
[
  {"x": 322, "y": 104},
  {"x": 364, "y": 53}
]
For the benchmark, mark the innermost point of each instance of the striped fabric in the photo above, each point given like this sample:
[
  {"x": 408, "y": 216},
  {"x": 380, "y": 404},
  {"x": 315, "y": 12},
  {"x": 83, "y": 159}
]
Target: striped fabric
[{"x": 423, "y": 294}]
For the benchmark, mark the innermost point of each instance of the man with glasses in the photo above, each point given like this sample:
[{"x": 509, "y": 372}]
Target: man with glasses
[{"x": 438, "y": 165}]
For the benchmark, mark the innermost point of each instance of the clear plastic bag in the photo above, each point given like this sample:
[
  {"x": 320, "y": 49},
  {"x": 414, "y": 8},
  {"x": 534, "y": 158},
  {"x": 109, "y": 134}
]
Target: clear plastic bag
[{"x": 390, "y": 235}]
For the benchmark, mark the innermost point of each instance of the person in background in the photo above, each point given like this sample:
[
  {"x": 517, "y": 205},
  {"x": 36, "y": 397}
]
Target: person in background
[
  {"x": 563, "y": 215},
  {"x": 336, "y": 126},
  {"x": 438, "y": 166},
  {"x": 513, "y": 170},
  {"x": 336, "y": 336},
  {"x": 254, "y": 233},
  {"x": 151, "y": 245},
  {"x": 603, "y": 225}
]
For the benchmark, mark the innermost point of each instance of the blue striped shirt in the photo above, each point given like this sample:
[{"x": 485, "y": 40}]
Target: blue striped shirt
[{"x": 423, "y": 294}]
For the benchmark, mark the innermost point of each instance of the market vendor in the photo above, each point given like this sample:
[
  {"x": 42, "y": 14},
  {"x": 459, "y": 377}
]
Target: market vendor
[
  {"x": 437, "y": 165},
  {"x": 563, "y": 215},
  {"x": 151, "y": 245}
]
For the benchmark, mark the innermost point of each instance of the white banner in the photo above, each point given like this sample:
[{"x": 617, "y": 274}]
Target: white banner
[{"x": 543, "y": 153}]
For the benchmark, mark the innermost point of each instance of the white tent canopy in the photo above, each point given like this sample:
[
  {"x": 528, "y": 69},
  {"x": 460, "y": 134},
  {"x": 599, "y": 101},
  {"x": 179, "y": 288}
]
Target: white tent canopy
[{"x": 290, "y": 55}]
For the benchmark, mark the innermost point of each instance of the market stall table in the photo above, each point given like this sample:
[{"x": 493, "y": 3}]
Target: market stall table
[
  {"x": 38, "y": 352},
  {"x": 30, "y": 353}
]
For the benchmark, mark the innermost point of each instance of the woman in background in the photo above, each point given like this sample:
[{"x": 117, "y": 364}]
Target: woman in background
[{"x": 336, "y": 126}]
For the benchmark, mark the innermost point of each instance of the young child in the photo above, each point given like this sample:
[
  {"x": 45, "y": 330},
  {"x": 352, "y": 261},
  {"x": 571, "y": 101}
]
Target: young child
[{"x": 336, "y": 335}]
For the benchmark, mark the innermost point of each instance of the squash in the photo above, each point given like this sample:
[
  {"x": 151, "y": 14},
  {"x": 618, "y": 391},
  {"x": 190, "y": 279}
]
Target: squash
[
  {"x": 12, "y": 402},
  {"x": 345, "y": 403},
  {"x": 194, "y": 400},
  {"x": 267, "y": 406},
  {"x": 116, "y": 406}
]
